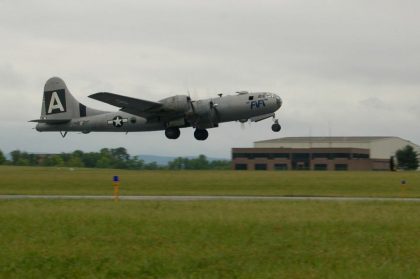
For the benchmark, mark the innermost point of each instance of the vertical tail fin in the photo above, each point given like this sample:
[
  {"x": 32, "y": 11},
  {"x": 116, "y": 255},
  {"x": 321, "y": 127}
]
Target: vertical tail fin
[{"x": 58, "y": 103}]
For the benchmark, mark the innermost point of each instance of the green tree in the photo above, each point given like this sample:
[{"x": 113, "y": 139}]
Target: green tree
[
  {"x": 16, "y": 155},
  {"x": 20, "y": 158},
  {"x": 90, "y": 159},
  {"x": 200, "y": 163},
  {"x": 176, "y": 164},
  {"x": 120, "y": 158},
  {"x": 104, "y": 162},
  {"x": 151, "y": 166},
  {"x": 220, "y": 165},
  {"x": 75, "y": 161},
  {"x": 2, "y": 158},
  {"x": 135, "y": 163},
  {"x": 407, "y": 158},
  {"x": 57, "y": 161}
]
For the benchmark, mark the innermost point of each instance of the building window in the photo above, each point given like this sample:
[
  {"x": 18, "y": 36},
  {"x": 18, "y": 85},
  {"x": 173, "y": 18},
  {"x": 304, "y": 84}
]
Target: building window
[
  {"x": 341, "y": 167},
  {"x": 241, "y": 166},
  {"x": 260, "y": 166},
  {"x": 360, "y": 156},
  {"x": 341, "y": 155},
  {"x": 240, "y": 155},
  {"x": 300, "y": 161},
  {"x": 321, "y": 156},
  {"x": 320, "y": 167},
  {"x": 298, "y": 156},
  {"x": 260, "y": 155},
  {"x": 281, "y": 155},
  {"x": 280, "y": 166}
]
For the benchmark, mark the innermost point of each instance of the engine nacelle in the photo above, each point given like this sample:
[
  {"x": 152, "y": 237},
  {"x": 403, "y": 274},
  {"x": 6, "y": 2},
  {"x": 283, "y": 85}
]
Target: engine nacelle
[{"x": 179, "y": 103}]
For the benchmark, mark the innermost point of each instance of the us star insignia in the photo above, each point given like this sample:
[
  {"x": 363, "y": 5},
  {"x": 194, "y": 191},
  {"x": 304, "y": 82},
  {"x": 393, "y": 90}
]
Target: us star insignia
[{"x": 118, "y": 121}]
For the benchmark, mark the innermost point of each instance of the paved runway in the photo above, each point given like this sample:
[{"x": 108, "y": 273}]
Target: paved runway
[{"x": 209, "y": 198}]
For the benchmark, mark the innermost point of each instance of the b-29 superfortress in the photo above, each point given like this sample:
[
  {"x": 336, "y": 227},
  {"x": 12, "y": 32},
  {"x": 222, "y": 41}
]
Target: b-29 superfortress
[{"x": 61, "y": 112}]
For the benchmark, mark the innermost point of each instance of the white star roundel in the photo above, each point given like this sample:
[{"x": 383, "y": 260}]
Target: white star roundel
[{"x": 117, "y": 121}]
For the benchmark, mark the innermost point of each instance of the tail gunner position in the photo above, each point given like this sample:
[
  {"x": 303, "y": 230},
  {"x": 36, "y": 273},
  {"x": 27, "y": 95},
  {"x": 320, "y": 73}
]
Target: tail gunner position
[{"x": 61, "y": 112}]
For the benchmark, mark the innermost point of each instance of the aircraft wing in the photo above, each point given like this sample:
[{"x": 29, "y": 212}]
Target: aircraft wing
[{"x": 134, "y": 106}]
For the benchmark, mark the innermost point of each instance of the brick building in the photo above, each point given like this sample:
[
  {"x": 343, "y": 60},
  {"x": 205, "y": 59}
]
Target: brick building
[{"x": 319, "y": 153}]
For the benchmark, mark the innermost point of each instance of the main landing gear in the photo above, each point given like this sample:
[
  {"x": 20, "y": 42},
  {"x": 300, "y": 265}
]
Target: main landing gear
[
  {"x": 174, "y": 133},
  {"x": 276, "y": 126},
  {"x": 201, "y": 134}
]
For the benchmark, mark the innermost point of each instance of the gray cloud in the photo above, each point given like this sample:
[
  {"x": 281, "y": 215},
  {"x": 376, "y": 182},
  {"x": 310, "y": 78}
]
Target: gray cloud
[{"x": 346, "y": 66}]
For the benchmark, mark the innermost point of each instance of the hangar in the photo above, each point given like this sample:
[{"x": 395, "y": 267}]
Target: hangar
[{"x": 319, "y": 153}]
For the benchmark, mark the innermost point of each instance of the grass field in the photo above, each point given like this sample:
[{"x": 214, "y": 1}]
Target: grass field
[
  {"x": 210, "y": 239},
  {"x": 23, "y": 180},
  {"x": 106, "y": 239}
]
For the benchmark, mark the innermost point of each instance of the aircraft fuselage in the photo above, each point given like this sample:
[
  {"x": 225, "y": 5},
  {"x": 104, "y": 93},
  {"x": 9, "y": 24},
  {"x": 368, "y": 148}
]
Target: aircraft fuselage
[{"x": 226, "y": 108}]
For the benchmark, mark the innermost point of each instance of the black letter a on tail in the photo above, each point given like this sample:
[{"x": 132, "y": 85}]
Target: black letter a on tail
[{"x": 55, "y": 101}]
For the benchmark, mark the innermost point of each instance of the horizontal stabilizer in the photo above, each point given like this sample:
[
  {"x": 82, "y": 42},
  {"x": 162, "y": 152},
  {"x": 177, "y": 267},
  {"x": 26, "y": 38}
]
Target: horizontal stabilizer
[{"x": 51, "y": 121}]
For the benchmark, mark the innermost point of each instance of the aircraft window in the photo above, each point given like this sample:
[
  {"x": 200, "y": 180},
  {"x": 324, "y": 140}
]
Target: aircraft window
[
  {"x": 251, "y": 98},
  {"x": 133, "y": 120}
]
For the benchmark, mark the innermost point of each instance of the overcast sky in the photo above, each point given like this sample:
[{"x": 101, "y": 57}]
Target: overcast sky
[{"x": 342, "y": 68}]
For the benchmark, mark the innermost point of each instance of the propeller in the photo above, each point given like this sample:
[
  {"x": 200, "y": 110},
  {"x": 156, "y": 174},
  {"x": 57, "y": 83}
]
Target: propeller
[{"x": 191, "y": 115}]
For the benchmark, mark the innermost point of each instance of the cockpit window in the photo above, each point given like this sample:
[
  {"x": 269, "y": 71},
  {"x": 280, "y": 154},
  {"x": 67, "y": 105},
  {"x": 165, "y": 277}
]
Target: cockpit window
[{"x": 251, "y": 98}]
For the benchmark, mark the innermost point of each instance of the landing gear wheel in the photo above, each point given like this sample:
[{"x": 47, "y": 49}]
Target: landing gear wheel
[
  {"x": 276, "y": 127},
  {"x": 172, "y": 133},
  {"x": 201, "y": 134}
]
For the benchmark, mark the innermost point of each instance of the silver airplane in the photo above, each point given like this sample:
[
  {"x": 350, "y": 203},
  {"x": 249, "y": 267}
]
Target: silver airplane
[{"x": 61, "y": 112}]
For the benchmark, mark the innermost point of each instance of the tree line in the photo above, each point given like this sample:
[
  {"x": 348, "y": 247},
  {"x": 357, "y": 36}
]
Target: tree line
[{"x": 117, "y": 158}]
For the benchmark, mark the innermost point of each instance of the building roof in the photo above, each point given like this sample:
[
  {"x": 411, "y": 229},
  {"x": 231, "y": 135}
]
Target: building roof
[{"x": 324, "y": 139}]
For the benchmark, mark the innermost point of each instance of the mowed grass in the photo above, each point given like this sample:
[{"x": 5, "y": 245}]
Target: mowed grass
[
  {"x": 213, "y": 239},
  {"x": 210, "y": 239},
  {"x": 63, "y": 181}
]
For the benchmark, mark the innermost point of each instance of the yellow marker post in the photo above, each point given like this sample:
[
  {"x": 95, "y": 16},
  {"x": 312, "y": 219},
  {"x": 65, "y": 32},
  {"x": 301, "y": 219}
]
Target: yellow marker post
[
  {"x": 403, "y": 188},
  {"x": 116, "y": 183}
]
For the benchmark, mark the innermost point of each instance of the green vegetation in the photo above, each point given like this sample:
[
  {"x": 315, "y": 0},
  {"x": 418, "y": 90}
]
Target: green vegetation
[
  {"x": 117, "y": 158},
  {"x": 407, "y": 158},
  {"x": 2, "y": 158},
  {"x": 199, "y": 163},
  {"x": 211, "y": 239},
  {"x": 36, "y": 180},
  {"x": 107, "y": 239}
]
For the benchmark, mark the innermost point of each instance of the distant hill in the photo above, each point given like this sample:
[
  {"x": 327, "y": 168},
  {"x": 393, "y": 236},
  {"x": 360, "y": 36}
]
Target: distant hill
[{"x": 164, "y": 160}]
